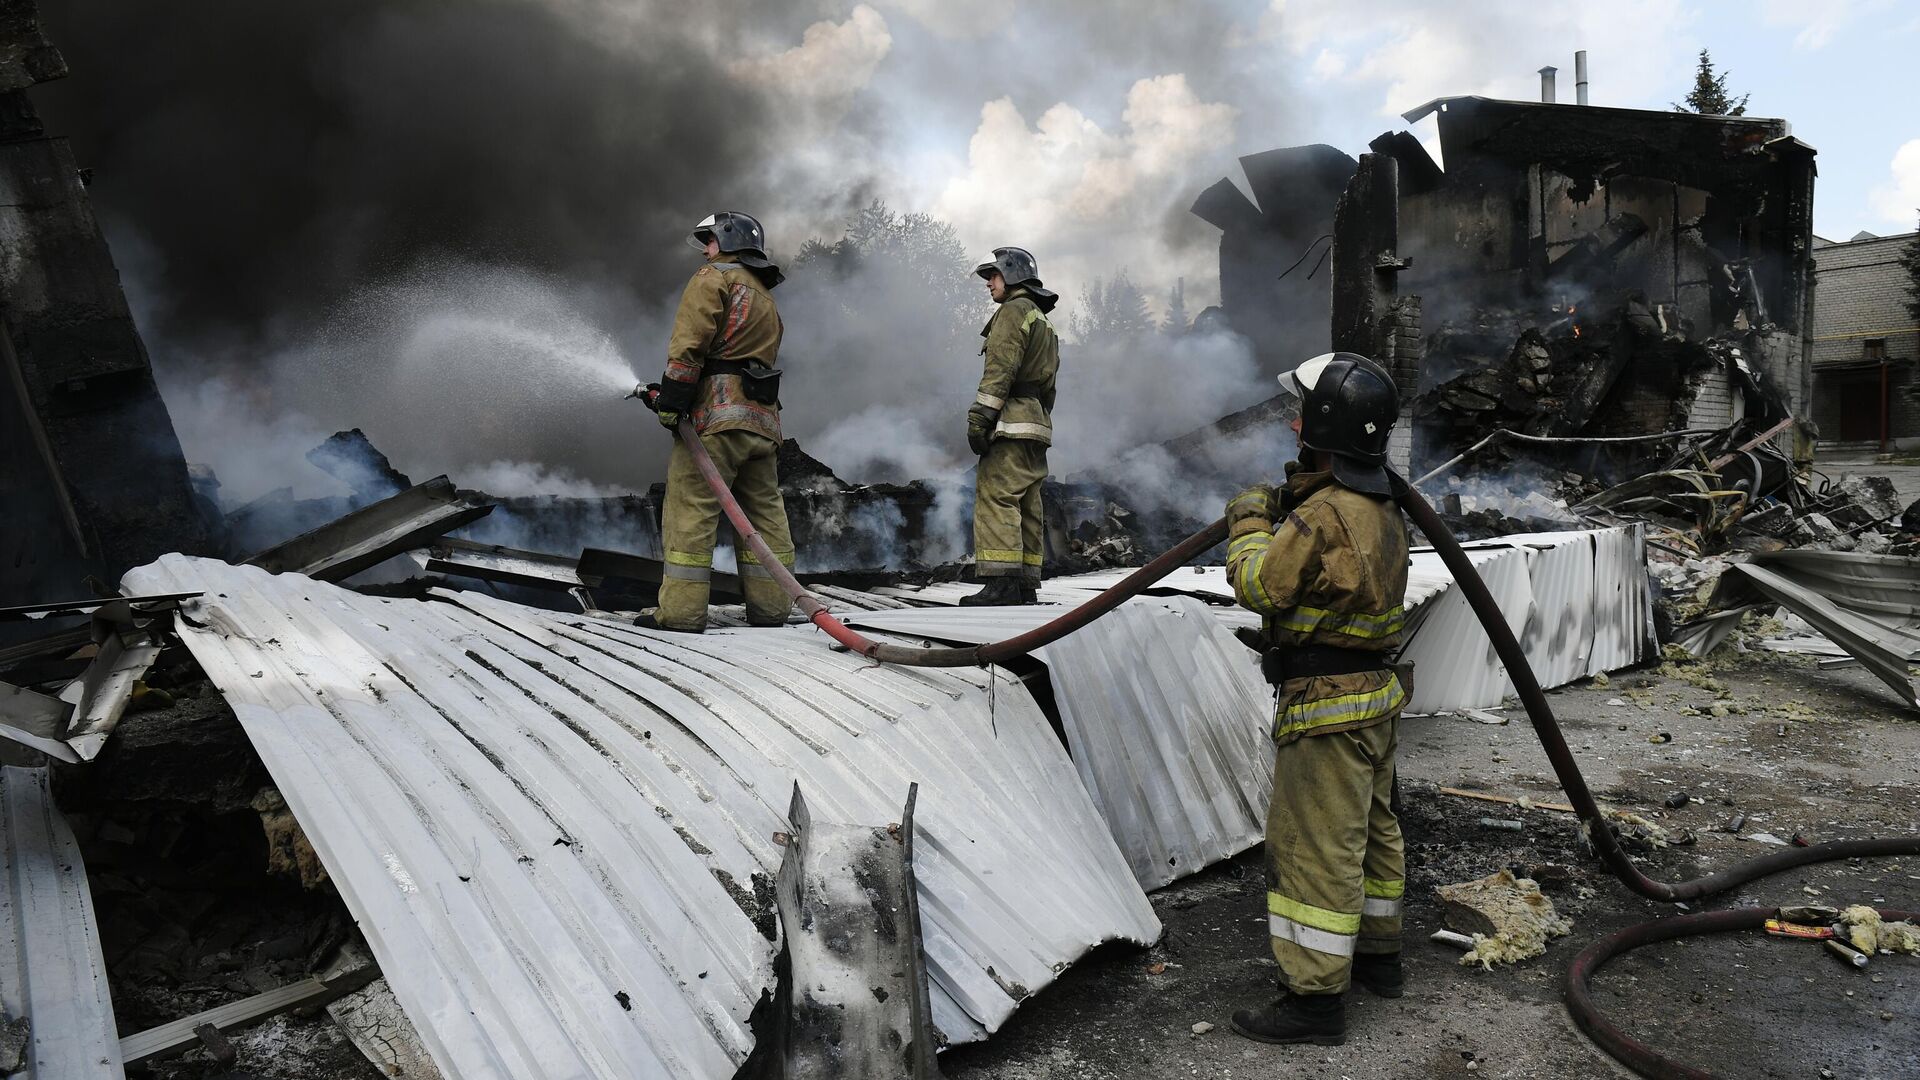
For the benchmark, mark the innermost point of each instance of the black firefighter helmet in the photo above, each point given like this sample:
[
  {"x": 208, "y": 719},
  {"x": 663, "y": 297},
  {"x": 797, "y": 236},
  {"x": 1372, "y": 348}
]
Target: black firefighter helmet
[
  {"x": 1348, "y": 404},
  {"x": 1016, "y": 267},
  {"x": 740, "y": 236}
]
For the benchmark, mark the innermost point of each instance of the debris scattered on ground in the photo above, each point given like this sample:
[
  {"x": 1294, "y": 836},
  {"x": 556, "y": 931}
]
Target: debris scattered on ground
[
  {"x": 1509, "y": 918},
  {"x": 14, "y": 1034},
  {"x": 1522, "y": 802},
  {"x": 1637, "y": 833},
  {"x": 1870, "y": 935},
  {"x": 1202, "y": 1028}
]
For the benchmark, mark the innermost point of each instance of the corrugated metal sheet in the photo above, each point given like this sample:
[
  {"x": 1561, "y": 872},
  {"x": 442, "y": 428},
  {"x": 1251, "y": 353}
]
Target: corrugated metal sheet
[
  {"x": 1166, "y": 716},
  {"x": 1882, "y": 647},
  {"x": 1454, "y": 663},
  {"x": 533, "y": 815},
  {"x": 1580, "y": 603},
  {"x": 51, "y": 971}
]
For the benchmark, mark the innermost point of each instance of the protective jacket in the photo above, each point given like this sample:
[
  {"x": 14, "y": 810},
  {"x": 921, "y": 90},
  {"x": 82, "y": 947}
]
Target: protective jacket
[
  {"x": 1330, "y": 571},
  {"x": 1023, "y": 359},
  {"x": 1326, "y": 568},
  {"x": 726, "y": 314}
]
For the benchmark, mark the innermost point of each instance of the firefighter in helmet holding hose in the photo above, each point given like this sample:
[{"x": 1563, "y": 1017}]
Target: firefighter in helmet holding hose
[
  {"x": 1010, "y": 426},
  {"x": 720, "y": 372},
  {"x": 1323, "y": 560}
]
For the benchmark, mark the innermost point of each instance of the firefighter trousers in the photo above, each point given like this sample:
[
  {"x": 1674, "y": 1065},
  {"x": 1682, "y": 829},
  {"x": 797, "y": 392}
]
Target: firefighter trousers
[
  {"x": 1009, "y": 526},
  {"x": 746, "y": 460},
  {"x": 1336, "y": 864}
]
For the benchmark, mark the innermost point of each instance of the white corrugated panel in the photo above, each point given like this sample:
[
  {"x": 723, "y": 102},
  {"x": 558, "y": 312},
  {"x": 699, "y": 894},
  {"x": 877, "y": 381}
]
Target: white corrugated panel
[
  {"x": 556, "y": 831},
  {"x": 1166, "y": 716},
  {"x": 1559, "y": 630},
  {"x": 1203, "y": 581},
  {"x": 1579, "y": 602},
  {"x": 1454, "y": 664},
  {"x": 51, "y": 970},
  {"x": 1623, "y": 633}
]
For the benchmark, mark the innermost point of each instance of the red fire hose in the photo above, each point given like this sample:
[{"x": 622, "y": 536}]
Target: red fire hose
[
  {"x": 816, "y": 612},
  {"x": 1546, "y": 728}
]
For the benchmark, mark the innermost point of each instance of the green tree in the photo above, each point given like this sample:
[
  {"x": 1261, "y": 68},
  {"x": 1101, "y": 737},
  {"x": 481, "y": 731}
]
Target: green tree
[
  {"x": 1709, "y": 94},
  {"x": 1177, "y": 321},
  {"x": 1910, "y": 262},
  {"x": 1112, "y": 309}
]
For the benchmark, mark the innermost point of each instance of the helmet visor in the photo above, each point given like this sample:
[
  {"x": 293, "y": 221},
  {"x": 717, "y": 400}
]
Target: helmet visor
[
  {"x": 1301, "y": 380},
  {"x": 703, "y": 232}
]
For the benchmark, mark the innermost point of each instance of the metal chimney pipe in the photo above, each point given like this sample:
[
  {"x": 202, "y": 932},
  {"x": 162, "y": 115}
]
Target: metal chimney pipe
[
  {"x": 1580, "y": 76},
  {"x": 1546, "y": 84}
]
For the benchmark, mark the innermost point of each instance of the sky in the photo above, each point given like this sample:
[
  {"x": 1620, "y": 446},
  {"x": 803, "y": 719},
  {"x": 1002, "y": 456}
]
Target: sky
[{"x": 334, "y": 213}]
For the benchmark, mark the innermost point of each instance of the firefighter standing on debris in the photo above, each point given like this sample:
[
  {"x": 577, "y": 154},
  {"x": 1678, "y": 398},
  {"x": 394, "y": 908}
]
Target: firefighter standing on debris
[
  {"x": 720, "y": 371},
  {"x": 1010, "y": 426},
  {"x": 1323, "y": 560}
]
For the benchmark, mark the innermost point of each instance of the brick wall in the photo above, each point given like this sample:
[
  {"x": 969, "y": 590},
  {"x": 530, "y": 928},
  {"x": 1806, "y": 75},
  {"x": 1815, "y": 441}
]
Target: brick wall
[
  {"x": 1861, "y": 294},
  {"x": 1713, "y": 405}
]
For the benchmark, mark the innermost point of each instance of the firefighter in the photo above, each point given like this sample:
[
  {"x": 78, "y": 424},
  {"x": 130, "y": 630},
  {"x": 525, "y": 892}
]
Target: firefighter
[
  {"x": 1010, "y": 426},
  {"x": 720, "y": 371},
  {"x": 1323, "y": 560}
]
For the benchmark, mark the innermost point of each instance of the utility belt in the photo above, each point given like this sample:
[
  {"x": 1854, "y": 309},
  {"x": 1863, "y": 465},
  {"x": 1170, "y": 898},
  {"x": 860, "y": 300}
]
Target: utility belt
[
  {"x": 760, "y": 383},
  {"x": 1280, "y": 663},
  {"x": 1040, "y": 392}
]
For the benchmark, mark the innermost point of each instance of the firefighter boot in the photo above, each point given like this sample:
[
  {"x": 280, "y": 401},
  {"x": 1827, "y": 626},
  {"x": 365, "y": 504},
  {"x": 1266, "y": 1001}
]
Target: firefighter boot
[
  {"x": 1320, "y": 1019},
  {"x": 1029, "y": 594},
  {"x": 648, "y": 622},
  {"x": 999, "y": 592},
  {"x": 1380, "y": 973}
]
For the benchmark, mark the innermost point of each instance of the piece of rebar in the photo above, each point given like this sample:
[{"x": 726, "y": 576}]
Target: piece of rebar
[{"x": 1555, "y": 440}]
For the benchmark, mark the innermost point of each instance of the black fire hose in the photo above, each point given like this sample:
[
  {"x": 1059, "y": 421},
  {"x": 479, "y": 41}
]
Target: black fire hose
[
  {"x": 1636, "y": 1055},
  {"x": 1546, "y": 728},
  {"x": 974, "y": 656}
]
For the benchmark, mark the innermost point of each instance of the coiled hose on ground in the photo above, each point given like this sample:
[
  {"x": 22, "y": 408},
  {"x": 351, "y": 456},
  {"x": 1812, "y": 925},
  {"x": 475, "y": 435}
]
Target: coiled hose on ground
[{"x": 1546, "y": 728}]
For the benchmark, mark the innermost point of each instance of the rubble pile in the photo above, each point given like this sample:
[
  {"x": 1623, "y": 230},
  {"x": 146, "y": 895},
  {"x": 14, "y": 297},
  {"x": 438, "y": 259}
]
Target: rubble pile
[{"x": 1509, "y": 918}]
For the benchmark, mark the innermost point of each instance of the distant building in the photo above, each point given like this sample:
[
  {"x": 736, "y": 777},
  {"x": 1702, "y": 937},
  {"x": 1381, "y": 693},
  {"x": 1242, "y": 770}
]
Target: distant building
[{"x": 1865, "y": 393}]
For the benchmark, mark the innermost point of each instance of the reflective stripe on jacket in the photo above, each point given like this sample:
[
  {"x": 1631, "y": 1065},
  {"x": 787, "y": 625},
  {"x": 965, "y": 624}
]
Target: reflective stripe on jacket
[
  {"x": 1022, "y": 352},
  {"x": 1332, "y": 571}
]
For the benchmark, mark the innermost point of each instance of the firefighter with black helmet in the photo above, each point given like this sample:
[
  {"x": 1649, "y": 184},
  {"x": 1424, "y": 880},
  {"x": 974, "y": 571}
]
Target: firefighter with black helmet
[
  {"x": 1010, "y": 426},
  {"x": 720, "y": 371},
  {"x": 1323, "y": 560}
]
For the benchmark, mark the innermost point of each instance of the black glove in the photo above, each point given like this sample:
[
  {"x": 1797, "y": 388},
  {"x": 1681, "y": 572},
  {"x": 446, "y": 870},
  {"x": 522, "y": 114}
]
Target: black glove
[
  {"x": 674, "y": 399},
  {"x": 980, "y": 422}
]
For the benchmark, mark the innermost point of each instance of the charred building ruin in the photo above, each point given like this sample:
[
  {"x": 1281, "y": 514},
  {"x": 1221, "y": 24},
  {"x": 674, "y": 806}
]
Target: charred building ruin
[
  {"x": 1572, "y": 270},
  {"x": 92, "y": 480}
]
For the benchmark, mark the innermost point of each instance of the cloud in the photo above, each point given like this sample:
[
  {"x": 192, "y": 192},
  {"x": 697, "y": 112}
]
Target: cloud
[
  {"x": 832, "y": 61},
  {"x": 1414, "y": 52},
  {"x": 955, "y": 19},
  {"x": 1818, "y": 21},
  {"x": 1075, "y": 193},
  {"x": 1899, "y": 200}
]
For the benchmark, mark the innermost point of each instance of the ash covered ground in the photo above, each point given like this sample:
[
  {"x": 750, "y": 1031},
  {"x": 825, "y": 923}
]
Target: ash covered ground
[{"x": 1744, "y": 1005}]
